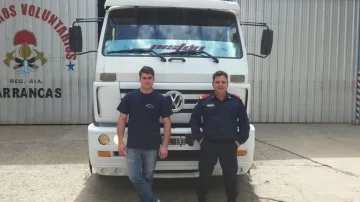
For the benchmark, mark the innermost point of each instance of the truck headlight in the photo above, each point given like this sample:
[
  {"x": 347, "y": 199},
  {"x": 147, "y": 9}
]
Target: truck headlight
[{"x": 104, "y": 139}]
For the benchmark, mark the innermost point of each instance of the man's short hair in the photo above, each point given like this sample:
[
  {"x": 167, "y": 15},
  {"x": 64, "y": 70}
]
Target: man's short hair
[
  {"x": 220, "y": 73},
  {"x": 147, "y": 70}
]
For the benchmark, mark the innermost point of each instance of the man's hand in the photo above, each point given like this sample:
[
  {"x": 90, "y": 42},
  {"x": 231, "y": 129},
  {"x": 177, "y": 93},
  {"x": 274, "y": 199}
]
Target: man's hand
[
  {"x": 122, "y": 149},
  {"x": 120, "y": 131},
  {"x": 163, "y": 153},
  {"x": 237, "y": 144}
]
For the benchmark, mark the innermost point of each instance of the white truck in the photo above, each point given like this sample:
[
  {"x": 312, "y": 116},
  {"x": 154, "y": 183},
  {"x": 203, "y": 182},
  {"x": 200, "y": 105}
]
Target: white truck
[{"x": 185, "y": 41}]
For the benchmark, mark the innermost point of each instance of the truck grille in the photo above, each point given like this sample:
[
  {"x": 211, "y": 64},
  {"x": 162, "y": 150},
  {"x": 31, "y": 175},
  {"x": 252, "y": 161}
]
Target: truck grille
[
  {"x": 191, "y": 96},
  {"x": 184, "y": 92}
]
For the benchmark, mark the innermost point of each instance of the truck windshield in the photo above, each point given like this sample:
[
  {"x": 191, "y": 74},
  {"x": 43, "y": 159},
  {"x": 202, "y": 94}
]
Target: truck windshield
[{"x": 172, "y": 29}]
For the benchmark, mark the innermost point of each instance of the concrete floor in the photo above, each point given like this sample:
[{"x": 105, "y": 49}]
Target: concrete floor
[{"x": 293, "y": 163}]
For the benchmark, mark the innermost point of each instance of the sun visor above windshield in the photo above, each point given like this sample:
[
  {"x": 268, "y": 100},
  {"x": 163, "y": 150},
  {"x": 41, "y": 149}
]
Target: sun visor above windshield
[{"x": 201, "y": 4}]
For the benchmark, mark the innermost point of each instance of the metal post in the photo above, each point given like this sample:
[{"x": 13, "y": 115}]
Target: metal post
[
  {"x": 357, "y": 121},
  {"x": 358, "y": 93}
]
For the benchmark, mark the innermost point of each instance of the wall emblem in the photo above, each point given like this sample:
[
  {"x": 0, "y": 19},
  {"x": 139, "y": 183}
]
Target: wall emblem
[{"x": 26, "y": 59}]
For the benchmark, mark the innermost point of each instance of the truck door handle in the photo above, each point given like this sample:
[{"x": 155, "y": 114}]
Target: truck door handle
[
  {"x": 97, "y": 100},
  {"x": 182, "y": 59}
]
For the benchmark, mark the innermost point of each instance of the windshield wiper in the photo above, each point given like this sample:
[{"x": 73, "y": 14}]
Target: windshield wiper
[
  {"x": 191, "y": 53},
  {"x": 139, "y": 50}
]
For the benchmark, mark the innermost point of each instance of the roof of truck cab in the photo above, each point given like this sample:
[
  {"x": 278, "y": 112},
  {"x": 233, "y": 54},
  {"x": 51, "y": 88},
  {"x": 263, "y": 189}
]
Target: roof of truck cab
[{"x": 201, "y": 4}]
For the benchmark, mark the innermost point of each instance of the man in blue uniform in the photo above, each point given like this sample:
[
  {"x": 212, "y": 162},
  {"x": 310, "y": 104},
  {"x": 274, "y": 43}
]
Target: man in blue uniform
[{"x": 225, "y": 127}]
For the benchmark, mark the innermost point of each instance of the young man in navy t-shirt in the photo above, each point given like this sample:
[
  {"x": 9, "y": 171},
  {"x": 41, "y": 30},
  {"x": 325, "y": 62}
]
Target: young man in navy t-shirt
[{"x": 144, "y": 107}]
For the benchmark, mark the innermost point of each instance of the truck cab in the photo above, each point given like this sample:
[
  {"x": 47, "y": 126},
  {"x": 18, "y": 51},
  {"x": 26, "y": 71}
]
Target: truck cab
[{"x": 185, "y": 41}]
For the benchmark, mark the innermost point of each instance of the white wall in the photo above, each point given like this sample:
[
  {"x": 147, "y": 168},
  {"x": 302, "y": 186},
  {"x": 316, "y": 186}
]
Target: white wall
[
  {"x": 309, "y": 77},
  {"x": 73, "y": 106},
  {"x": 311, "y": 74}
]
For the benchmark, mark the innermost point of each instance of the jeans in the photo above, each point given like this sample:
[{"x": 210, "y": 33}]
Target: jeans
[{"x": 141, "y": 165}]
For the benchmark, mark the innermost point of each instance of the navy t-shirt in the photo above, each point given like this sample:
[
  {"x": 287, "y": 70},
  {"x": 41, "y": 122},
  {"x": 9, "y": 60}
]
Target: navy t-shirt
[{"x": 144, "y": 112}]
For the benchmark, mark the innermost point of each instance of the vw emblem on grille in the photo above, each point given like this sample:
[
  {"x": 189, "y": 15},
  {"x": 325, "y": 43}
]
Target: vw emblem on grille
[{"x": 176, "y": 99}]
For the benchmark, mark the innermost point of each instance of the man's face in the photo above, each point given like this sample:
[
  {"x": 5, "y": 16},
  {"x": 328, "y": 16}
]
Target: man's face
[
  {"x": 220, "y": 84},
  {"x": 146, "y": 80}
]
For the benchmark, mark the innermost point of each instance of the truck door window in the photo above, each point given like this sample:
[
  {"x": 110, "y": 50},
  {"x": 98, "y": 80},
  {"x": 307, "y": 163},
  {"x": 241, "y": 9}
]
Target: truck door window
[{"x": 173, "y": 29}]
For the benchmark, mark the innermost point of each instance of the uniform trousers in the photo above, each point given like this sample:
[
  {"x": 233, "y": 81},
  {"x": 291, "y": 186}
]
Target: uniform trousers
[{"x": 210, "y": 152}]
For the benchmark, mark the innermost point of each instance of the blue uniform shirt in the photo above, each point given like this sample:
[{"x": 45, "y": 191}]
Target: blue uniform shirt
[{"x": 220, "y": 120}]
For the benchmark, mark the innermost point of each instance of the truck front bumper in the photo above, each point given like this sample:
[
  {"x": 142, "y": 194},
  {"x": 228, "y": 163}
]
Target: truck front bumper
[{"x": 182, "y": 160}]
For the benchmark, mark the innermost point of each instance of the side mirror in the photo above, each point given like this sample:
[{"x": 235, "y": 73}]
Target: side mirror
[
  {"x": 75, "y": 38},
  {"x": 266, "y": 42}
]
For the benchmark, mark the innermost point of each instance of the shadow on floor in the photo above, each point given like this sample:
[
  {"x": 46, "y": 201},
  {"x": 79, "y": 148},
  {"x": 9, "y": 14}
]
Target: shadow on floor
[{"x": 120, "y": 189}]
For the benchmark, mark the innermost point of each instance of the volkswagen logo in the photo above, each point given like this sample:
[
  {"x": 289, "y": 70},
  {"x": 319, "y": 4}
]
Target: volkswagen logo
[{"x": 176, "y": 99}]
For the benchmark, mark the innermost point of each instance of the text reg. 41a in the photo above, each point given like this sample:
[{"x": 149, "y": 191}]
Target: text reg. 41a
[{"x": 23, "y": 81}]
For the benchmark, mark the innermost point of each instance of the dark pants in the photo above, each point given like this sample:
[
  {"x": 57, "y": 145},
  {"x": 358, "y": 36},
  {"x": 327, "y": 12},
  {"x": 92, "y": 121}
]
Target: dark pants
[{"x": 209, "y": 154}]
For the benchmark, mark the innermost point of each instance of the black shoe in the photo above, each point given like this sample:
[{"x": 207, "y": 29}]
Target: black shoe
[
  {"x": 231, "y": 200},
  {"x": 201, "y": 198}
]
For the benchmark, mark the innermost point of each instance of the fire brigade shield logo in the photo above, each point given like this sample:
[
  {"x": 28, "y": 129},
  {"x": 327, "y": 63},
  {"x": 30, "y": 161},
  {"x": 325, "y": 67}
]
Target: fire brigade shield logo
[{"x": 26, "y": 59}]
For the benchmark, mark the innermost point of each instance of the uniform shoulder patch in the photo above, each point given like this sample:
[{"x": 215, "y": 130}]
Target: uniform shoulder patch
[
  {"x": 204, "y": 96},
  {"x": 237, "y": 96}
]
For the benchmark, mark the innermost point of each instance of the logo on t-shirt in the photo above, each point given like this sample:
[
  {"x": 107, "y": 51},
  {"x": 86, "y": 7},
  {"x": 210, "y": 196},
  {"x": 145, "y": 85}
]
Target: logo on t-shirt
[{"x": 150, "y": 106}]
